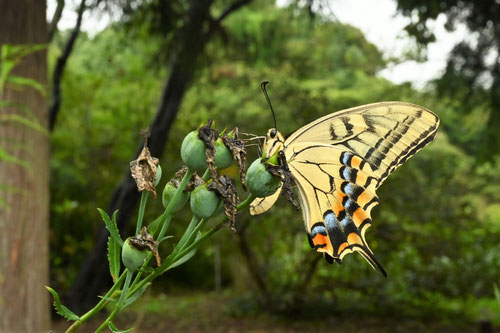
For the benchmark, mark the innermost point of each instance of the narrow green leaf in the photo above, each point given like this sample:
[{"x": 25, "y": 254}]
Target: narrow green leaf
[
  {"x": 497, "y": 292},
  {"x": 27, "y": 82},
  {"x": 111, "y": 226},
  {"x": 25, "y": 121},
  {"x": 114, "y": 329},
  {"x": 61, "y": 309},
  {"x": 114, "y": 258},
  {"x": 153, "y": 226},
  {"x": 5, "y": 156},
  {"x": 187, "y": 256},
  {"x": 130, "y": 300}
]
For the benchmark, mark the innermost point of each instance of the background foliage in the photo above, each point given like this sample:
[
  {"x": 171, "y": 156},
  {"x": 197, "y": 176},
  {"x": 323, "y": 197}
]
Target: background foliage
[{"x": 437, "y": 230}]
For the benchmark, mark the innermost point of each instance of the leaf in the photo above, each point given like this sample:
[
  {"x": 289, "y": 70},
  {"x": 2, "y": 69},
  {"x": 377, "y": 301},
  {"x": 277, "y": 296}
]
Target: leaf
[
  {"x": 497, "y": 292},
  {"x": 24, "y": 81},
  {"x": 114, "y": 329},
  {"x": 130, "y": 300},
  {"x": 5, "y": 156},
  {"x": 153, "y": 226},
  {"x": 114, "y": 258},
  {"x": 185, "y": 257},
  {"x": 61, "y": 309},
  {"x": 111, "y": 226},
  {"x": 25, "y": 121}
]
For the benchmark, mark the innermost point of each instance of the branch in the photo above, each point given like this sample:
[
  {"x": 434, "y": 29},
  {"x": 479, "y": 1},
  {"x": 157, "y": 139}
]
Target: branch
[
  {"x": 252, "y": 264},
  {"x": 55, "y": 19},
  {"x": 59, "y": 69},
  {"x": 234, "y": 6}
]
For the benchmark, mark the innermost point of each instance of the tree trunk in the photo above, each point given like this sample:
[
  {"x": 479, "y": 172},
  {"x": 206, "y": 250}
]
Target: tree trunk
[{"x": 24, "y": 191}]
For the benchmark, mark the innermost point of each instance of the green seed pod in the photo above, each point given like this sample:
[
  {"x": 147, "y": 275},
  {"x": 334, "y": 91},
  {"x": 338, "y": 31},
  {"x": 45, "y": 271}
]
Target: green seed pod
[
  {"x": 193, "y": 152},
  {"x": 223, "y": 156},
  {"x": 168, "y": 194},
  {"x": 132, "y": 257},
  {"x": 158, "y": 175},
  {"x": 204, "y": 203},
  {"x": 261, "y": 182}
]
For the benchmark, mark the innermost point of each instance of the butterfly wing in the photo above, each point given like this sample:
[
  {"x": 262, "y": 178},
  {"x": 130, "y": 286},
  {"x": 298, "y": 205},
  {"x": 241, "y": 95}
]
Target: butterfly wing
[
  {"x": 337, "y": 192},
  {"x": 384, "y": 134},
  {"x": 262, "y": 205},
  {"x": 339, "y": 161}
]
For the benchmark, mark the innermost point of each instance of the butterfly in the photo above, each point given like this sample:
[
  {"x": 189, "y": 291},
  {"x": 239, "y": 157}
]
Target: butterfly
[{"x": 339, "y": 161}]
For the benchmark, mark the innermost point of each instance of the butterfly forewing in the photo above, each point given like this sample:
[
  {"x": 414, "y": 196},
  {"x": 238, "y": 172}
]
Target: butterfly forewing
[{"x": 384, "y": 134}]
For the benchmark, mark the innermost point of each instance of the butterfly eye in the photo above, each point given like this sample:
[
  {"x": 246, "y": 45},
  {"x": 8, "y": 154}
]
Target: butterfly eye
[{"x": 273, "y": 132}]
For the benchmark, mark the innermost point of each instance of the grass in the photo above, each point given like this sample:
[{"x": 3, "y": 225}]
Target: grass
[{"x": 224, "y": 312}]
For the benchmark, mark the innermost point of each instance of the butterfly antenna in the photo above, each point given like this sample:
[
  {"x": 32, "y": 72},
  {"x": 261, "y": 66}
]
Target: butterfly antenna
[{"x": 263, "y": 86}]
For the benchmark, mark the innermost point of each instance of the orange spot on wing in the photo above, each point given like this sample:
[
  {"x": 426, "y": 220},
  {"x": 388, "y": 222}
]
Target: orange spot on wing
[
  {"x": 342, "y": 247},
  {"x": 364, "y": 198},
  {"x": 354, "y": 238},
  {"x": 320, "y": 240},
  {"x": 337, "y": 206},
  {"x": 359, "y": 216},
  {"x": 356, "y": 162}
]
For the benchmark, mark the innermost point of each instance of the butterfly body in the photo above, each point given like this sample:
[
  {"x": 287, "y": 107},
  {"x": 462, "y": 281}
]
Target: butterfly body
[{"x": 339, "y": 161}]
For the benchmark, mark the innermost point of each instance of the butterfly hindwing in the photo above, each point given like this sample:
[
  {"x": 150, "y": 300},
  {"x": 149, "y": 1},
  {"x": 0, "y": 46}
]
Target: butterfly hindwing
[{"x": 337, "y": 195}]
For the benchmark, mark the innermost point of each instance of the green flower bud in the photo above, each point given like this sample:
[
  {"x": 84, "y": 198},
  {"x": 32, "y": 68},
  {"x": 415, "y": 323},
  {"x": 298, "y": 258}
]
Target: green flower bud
[
  {"x": 223, "y": 156},
  {"x": 193, "y": 152},
  {"x": 168, "y": 194},
  {"x": 132, "y": 257},
  {"x": 204, "y": 203},
  {"x": 158, "y": 175},
  {"x": 261, "y": 182}
]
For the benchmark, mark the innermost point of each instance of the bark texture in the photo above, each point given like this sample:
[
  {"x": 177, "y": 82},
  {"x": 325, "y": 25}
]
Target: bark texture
[{"x": 24, "y": 190}]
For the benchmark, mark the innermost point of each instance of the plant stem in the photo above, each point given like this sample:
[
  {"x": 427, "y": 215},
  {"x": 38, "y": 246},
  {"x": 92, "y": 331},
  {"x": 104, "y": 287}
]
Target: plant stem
[
  {"x": 92, "y": 312},
  {"x": 142, "y": 207},
  {"x": 123, "y": 296},
  {"x": 173, "y": 256},
  {"x": 187, "y": 234},
  {"x": 111, "y": 316}
]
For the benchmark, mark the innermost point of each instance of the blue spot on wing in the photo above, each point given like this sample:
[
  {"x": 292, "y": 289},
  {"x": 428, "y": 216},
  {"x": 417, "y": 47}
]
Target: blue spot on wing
[
  {"x": 318, "y": 228},
  {"x": 346, "y": 173},
  {"x": 331, "y": 221},
  {"x": 349, "y": 189},
  {"x": 346, "y": 157}
]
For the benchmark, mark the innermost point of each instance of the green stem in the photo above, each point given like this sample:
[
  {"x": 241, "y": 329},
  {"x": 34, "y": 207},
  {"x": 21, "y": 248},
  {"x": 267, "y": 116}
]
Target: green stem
[
  {"x": 175, "y": 198},
  {"x": 142, "y": 207},
  {"x": 123, "y": 296},
  {"x": 206, "y": 175},
  {"x": 187, "y": 234},
  {"x": 171, "y": 259},
  {"x": 92, "y": 312},
  {"x": 164, "y": 226},
  {"x": 111, "y": 316}
]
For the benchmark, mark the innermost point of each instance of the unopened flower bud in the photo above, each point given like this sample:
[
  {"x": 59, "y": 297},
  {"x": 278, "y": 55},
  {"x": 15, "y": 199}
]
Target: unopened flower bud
[{"x": 261, "y": 182}]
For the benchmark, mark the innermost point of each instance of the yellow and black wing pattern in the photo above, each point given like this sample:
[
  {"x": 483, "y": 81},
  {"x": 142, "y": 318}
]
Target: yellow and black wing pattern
[{"x": 339, "y": 161}]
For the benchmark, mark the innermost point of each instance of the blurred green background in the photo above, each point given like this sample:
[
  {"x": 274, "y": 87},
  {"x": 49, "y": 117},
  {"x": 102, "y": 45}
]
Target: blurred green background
[{"x": 436, "y": 231}]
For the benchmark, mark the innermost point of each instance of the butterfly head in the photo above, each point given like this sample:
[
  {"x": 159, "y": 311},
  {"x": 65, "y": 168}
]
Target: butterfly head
[{"x": 274, "y": 142}]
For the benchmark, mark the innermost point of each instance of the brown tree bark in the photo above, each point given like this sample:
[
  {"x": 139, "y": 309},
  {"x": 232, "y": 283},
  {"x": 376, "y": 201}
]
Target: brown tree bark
[{"x": 24, "y": 190}]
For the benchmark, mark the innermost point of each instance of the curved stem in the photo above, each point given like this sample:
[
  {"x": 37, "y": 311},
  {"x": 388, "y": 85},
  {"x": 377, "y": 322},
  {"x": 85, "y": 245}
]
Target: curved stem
[
  {"x": 92, "y": 312},
  {"x": 111, "y": 316}
]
